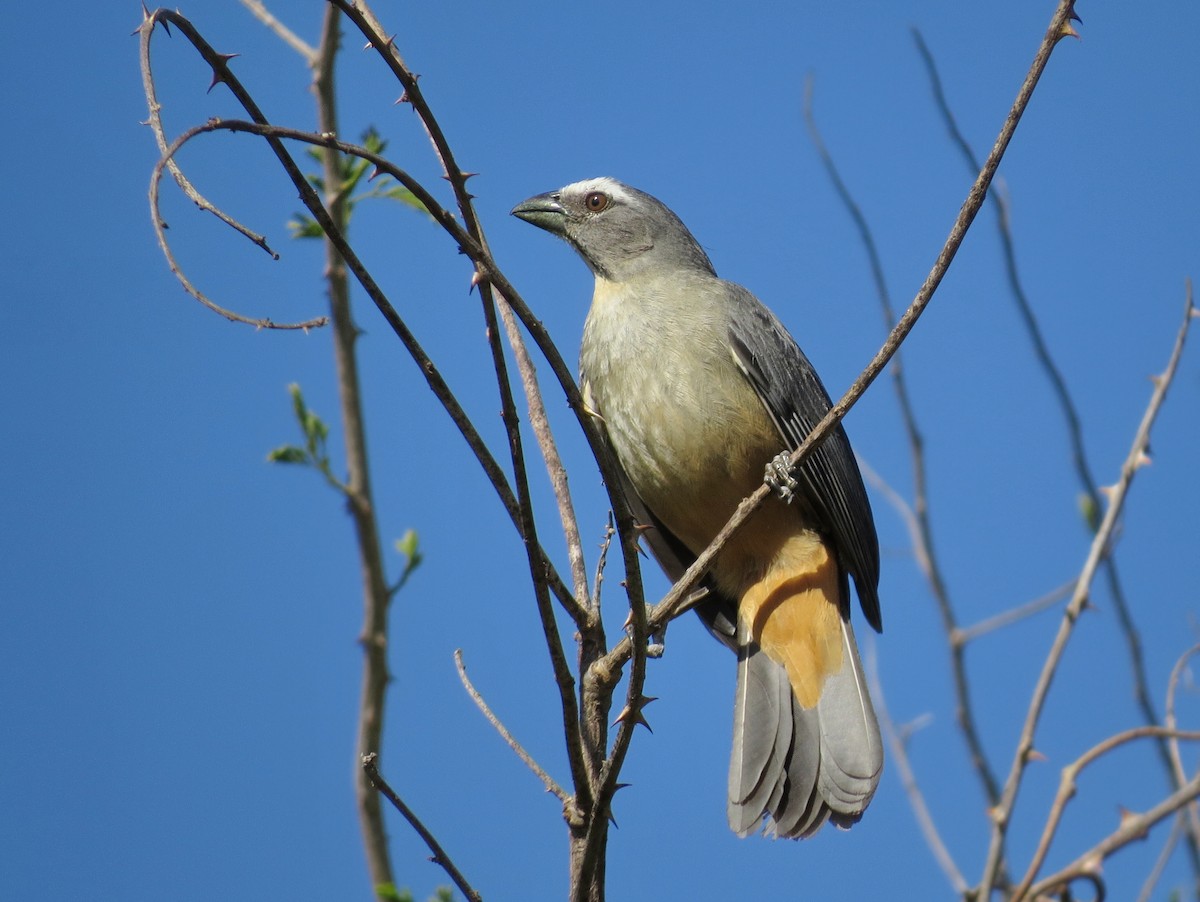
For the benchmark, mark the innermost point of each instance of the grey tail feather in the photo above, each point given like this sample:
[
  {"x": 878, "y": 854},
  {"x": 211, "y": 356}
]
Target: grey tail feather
[{"x": 800, "y": 767}]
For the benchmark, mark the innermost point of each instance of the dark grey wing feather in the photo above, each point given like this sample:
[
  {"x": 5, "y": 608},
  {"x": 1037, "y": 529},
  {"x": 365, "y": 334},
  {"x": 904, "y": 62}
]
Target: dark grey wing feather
[{"x": 793, "y": 395}]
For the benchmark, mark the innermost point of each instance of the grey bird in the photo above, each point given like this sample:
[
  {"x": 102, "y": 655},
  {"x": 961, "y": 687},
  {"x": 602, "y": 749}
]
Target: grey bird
[{"x": 699, "y": 388}]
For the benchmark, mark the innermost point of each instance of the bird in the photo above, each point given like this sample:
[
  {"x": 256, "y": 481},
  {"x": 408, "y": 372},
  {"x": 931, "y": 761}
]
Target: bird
[{"x": 700, "y": 392}]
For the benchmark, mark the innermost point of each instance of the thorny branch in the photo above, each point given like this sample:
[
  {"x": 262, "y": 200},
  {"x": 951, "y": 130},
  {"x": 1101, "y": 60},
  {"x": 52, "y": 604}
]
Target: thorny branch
[
  {"x": 1137, "y": 458},
  {"x": 440, "y": 858},
  {"x": 1074, "y": 427}
]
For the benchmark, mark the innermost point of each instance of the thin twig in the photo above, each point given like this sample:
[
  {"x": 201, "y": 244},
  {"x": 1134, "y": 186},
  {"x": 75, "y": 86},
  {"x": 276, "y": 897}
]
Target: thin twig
[
  {"x": 1132, "y": 828},
  {"x": 440, "y": 857},
  {"x": 1071, "y": 418},
  {"x": 1002, "y": 813},
  {"x": 1179, "y": 771},
  {"x": 1068, "y": 786},
  {"x": 916, "y": 798},
  {"x": 219, "y": 63},
  {"x": 540, "y": 424},
  {"x": 1160, "y": 864},
  {"x": 540, "y": 772},
  {"x": 921, "y": 529},
  {"x": 1015, "y": 615},
  {"x": 285, "y": 34},
  {"x": 963, "y": 635},
  {"x": 377, "y": 594}
]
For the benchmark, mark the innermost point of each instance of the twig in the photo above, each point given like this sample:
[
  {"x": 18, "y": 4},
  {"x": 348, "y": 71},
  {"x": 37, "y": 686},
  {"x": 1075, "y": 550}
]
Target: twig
[
  {"x": 540, "y": 772},
  {"x": 219, "y": 63},
  {"x": 1132, "y": 828},
  {"x": 1014, "y": 615},
  {"x": 1067, "y": 788},
  {"x": 540, "y": 425},
  {"x": 440, "y": 857},
  {"x": 1070, "y": 416},
  {"x": 1136, "y": 458},
  {"x": 1180, "y": 773},
  {"x": 377, "y": 594},
  {"x": 285, "y": 34},
  {"x": 963, "y": 635},
  {"x": 1160, "y": 863},
  {"x": 921, "y": 528},
  {"x": 916, "y": 799}
]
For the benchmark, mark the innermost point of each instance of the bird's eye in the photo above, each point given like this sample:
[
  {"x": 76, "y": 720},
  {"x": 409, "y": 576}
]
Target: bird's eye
[{"x": 596, "y": 201}]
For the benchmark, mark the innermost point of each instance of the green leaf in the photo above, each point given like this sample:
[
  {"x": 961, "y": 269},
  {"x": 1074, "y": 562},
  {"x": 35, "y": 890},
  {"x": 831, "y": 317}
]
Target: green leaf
[
  {"x": 288, "y": 454},
  {"x": 303, "y": 226},
  {"x": 407, "y": 546},
  {"x": 1090, "y": 512},
  {"x": 387, "y": 892}
]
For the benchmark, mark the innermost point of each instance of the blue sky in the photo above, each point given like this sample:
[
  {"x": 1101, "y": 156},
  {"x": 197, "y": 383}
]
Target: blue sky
[{"x": 178, "y": 618}]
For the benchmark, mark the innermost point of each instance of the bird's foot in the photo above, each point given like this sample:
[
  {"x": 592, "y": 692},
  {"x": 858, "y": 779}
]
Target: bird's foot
[{"x": 779, "y": 477}]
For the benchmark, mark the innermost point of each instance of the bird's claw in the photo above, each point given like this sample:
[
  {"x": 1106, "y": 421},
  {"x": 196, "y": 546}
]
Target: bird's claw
[{"x": 779, "y": 477}]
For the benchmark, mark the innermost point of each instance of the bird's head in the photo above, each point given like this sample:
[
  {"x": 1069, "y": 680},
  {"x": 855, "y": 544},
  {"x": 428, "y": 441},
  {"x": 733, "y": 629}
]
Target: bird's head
[{"x": 619, "y": 231}]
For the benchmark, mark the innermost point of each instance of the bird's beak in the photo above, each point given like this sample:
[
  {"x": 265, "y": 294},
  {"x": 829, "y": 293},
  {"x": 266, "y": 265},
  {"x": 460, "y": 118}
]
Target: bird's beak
[{"x": 543, "y": 211}]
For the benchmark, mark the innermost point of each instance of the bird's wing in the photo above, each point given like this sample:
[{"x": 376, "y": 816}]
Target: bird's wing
[{"x": 793, "y": 395}]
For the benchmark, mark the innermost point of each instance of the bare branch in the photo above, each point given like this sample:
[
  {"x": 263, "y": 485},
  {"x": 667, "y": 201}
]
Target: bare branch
[
  {"x": 219, "y": 63},
  {"x": 1071, "y": 418},
  {"x": 440, "y": 857},
  {"x": 285, "y": 34},
  {"x": 920, "y": 526},
  {"x": 1136, "y": 458},
  {"x": 540, "y": 772},
  {"x": 1017, "y": 614},
  {"x": 1068, "y": 785},
  {"x": 916, "y": 799},
  {"x": 1179, "y": 771},
  {"x": 1132, "y": 828}
]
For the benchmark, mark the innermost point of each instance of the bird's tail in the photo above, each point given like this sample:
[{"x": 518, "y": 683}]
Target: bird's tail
[{"x": 806, "y": 744}]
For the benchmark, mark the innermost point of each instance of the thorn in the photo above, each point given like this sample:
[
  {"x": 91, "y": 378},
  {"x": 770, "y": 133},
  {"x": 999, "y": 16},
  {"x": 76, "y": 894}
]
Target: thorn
[
  {"x": 390, "y": 42},
  {"x": 1068, "y": 31},
  {"x": 1126, "y": 816},
  {"x": 1156, "y": 380},
  {"x": 403, "y": 98},
  {"x": 619, "y": 786},
  {"x": 375, "y": 173},
  {"x": 476, "y": 278},
  {"x": 1035, "y": 755},
  {"x": 221, "y": 69},
  {"x": 634, "y": 713},
  {"x": 463, "y": 175},
  {"x": 1107, "y": 492},
  {"x": 1141, "y": 460}
]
